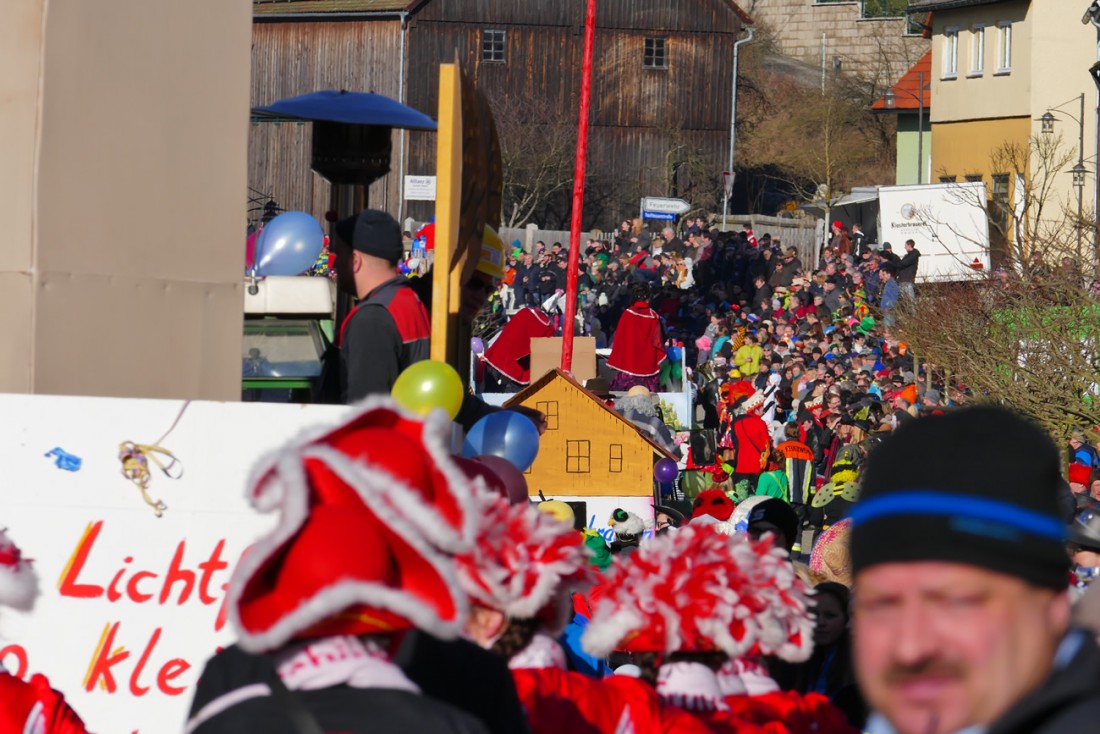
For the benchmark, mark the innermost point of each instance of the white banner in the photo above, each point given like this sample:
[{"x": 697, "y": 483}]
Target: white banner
[{"x": 131, "y": 605}]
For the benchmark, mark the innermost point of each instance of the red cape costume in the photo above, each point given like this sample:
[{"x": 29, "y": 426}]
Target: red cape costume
[
  {"x": 34, "y": 706},
  {"x": 563, "y": 701},
  {"x": 638, "y": 348},
  {"x": 510, "y": 354},
  {"x": 751, "y": 439}
]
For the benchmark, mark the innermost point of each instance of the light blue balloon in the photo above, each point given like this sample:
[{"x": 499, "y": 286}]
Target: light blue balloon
[
  {"x": 506, "y": 434},
  {"x": 289, "y": 245}
]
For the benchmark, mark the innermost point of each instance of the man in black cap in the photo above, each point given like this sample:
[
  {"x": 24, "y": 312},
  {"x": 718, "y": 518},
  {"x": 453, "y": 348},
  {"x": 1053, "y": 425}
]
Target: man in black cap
[
  {"x": 961, "y": 615},
  {"x": 389, "y": 329}
]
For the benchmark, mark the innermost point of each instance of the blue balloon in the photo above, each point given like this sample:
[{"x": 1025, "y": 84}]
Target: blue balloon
[
  {"x": 675, "y": 353},
  {"x": 289, "y": 245},
  {"x": 506, "y": 434}
]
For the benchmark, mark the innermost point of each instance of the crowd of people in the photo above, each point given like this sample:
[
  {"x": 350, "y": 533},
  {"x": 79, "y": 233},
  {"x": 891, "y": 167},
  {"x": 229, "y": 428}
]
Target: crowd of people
[{"x": 849, "y": 545}]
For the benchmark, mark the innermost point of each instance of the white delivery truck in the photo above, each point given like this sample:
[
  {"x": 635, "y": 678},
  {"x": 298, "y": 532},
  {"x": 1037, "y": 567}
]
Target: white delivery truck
[{"x": 947, "y": 221}]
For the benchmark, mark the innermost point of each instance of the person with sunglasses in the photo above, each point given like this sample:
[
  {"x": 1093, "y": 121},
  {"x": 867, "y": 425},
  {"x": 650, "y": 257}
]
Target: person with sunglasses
[{"x": 1083, "y": 545}]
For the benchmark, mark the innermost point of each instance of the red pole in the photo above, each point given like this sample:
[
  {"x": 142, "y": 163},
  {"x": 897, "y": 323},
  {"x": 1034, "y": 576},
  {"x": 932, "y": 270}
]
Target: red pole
[{"x": 578, "y": 192}]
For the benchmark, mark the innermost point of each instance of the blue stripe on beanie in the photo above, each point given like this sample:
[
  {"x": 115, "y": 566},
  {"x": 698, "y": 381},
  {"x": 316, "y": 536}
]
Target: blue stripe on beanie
[{"x": 994, "y": 517}]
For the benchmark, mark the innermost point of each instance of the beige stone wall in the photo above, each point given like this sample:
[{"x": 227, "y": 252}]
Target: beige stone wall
[
  {"x": 122, "y": 193},
  {"x": 877, "y": 49}
]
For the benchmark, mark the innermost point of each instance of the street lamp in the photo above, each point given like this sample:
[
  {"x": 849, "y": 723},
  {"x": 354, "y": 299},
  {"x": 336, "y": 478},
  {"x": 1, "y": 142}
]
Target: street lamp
[
  {"x": 1079, "y": 171},
  {"x": 890, "y": 102}
]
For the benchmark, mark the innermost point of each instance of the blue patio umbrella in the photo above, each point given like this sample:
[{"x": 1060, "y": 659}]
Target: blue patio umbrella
[{"x": 352, "y": 108}]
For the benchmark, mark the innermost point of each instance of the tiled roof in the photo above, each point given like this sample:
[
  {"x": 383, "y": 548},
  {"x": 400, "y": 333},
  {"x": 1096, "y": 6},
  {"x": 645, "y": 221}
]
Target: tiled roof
[
  {"x": 278, "y": 7},
  {"x": 906, "y": 91}
]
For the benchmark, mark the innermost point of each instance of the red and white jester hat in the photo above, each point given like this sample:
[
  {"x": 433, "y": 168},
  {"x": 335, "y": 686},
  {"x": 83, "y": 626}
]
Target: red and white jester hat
[
  {"x": 370, "y": 514},
  {"x": 524, "y": 563},
  {"x": 18, "y": 581},
  {"x": 698, "y": 591}
]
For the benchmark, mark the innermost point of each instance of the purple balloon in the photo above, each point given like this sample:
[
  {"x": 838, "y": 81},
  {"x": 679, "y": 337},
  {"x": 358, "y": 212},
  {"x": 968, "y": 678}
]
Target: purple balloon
[
  {"x": 288, "y": 245},
  {"x": 477, "y": 346},
  {"x": 515, "y": 485},
  {"x": 665, "y": 471}
]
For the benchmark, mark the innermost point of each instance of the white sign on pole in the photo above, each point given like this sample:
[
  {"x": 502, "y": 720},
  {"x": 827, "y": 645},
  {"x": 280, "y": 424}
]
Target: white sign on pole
[
  {"x": 727, "y": 182},
  {"x": 131, "y": 605},
  {"x": 658, "y": 205},
  {"x": 419, "y": 188}
]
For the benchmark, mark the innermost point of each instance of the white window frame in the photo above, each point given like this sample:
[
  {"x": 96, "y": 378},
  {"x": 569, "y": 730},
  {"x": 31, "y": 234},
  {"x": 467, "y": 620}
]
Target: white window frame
[
  {"x": 494, "y": 41},
  {"x": 977, "y": 50},
  {"x": 950, "y": 52},
  {"x": 1004, "y": 47}
]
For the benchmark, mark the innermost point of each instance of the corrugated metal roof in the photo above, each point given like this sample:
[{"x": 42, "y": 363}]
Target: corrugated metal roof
[
  {"x": 907, "y": 92},
  {"x": 289, "y": 7}
]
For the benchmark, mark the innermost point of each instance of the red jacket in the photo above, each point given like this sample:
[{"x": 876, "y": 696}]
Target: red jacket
[{"x": 24, "y": 704}]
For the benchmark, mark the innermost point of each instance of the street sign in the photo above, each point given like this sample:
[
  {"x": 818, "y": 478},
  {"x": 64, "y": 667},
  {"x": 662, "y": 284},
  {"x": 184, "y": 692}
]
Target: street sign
[
  {"x": 727, "y": 182},
  {"x": 654, "y": 207},
  {"x": 665, "y": 206}
]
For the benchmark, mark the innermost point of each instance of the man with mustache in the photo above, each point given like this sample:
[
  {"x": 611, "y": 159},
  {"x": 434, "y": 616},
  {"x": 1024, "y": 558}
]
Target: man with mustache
[{"x": 961, "y": 614}]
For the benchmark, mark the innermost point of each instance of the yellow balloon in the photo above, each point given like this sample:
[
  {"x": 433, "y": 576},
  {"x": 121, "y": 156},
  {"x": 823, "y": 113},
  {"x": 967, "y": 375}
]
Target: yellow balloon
[{"x": 428, "y": 385}]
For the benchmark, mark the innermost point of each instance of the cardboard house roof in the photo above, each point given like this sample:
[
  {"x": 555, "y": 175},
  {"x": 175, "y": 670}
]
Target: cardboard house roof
[{"x": 553, "y": 374}]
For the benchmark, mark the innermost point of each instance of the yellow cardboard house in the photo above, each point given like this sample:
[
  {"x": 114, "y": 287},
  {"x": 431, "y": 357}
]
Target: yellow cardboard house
[{"x": 588, "y": 450}]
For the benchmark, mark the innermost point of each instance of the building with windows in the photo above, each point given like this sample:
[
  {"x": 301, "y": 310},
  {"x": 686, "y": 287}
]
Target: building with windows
[
  {"x": 661, "y": 94},
  {"x": 999, "y": 67},
  {"x": 661, "y": 84}
]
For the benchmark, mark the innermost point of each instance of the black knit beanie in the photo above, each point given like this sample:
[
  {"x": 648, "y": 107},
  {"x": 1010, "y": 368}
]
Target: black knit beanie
[{"x": 977, "y": 486}]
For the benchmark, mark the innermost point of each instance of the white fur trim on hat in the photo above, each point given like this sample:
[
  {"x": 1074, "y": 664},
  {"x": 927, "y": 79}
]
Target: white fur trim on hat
[
  {"x": 267, "y": 490},
  {"x": 279, "y": 482},
  {"x": 18, "y": 580},
  {"x": 697, "y": 590},
  {"x": 523, "y": 561}
]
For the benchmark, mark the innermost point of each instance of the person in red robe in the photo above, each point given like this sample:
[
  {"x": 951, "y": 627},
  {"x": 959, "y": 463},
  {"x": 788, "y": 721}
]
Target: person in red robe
[
  {"x": 30, "y": 706},
  {"x": 638, "y": 345},
  {"x": 510, "y": 352}
]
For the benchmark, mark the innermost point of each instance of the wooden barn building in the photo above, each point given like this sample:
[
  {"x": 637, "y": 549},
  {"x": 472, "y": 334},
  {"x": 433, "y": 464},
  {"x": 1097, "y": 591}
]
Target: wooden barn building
[{"x": 661, "y": 86}]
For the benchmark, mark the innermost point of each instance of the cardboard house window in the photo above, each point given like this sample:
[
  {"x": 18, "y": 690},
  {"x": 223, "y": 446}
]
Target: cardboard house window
[
  {"x": 549, "y": 408},
  {"x": 616, "y": 461},
  {"x": 492, "y": 46},
  {"x": 578, "y": 459}
]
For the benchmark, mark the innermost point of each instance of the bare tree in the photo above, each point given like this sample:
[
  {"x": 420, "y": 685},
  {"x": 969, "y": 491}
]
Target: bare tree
[
  {"x": 1026, "y": 335},
  {"x": 1026, "y": 342},
  {"x": 1026, "y": 220},
  {"x": 817, "y": 142},
  {"x": 538, "y": 147}
]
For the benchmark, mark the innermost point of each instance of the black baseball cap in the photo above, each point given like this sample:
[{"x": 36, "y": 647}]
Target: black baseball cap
[{"x": 374, "y": 233}]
